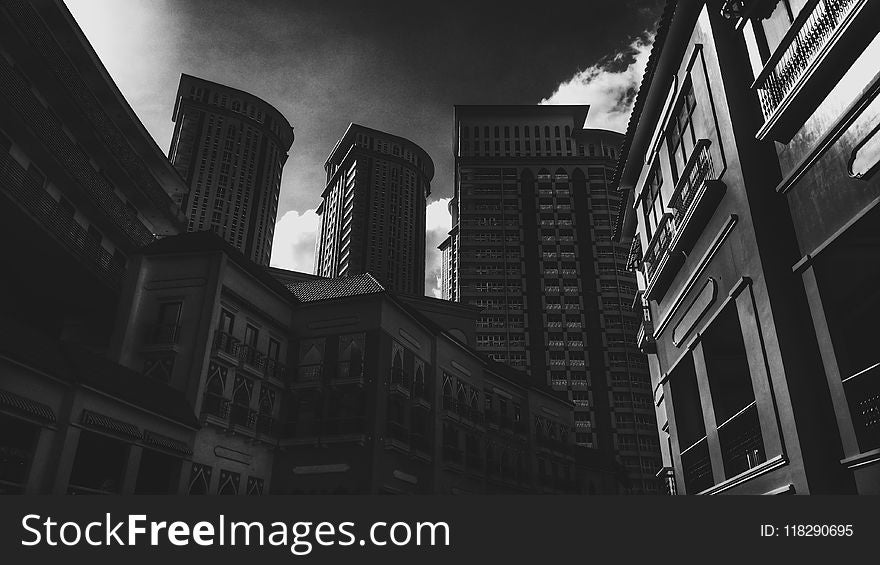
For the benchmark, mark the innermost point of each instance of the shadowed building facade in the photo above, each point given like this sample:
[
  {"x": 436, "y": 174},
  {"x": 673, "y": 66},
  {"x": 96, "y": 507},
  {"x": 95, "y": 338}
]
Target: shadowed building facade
[
  {"x": 531, "y": 246},
  {"x": 373, "y": 210},
  {"x": 230, "y": 148},
  {"x": 752, "y": 204}
]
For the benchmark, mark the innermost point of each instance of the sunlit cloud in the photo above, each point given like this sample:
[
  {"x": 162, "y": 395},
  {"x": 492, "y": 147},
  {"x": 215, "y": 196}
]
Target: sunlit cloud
[
  {"x": 609, "y": 86},
  {"x": 293, "y": 247},
  {"x": 437, "y": 225}
]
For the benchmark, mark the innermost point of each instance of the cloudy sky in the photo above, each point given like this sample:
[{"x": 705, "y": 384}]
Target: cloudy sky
[{"x": 397, "y": 66}]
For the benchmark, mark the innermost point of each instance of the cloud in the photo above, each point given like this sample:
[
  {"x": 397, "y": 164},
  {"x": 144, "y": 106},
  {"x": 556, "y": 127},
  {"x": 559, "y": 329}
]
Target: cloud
[
  {"x": 609, "y": 86},
  {"x": 438, "y": 222},
  {"x": 293, "y": 247}
]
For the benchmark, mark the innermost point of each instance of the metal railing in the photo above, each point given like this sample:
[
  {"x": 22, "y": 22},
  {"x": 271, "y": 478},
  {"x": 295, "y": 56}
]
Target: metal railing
[
  {"x": 807, "y": 37},
  {"x": 697, "y": 467},
  {"x": 215, "y": 405},
  {"x": 742, "y": 446},
  {"x": 698, "y": 169},
  {"x": 863, "y": 396},
  {"x": 225, "y": 342}
]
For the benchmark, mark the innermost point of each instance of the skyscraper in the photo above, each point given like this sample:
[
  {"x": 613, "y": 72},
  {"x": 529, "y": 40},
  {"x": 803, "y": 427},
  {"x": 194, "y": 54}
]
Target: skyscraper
[
  {"x": 230, "y": 147},
  {"x": 373, "y": 210},
  {"x": 531, "y": 244}
]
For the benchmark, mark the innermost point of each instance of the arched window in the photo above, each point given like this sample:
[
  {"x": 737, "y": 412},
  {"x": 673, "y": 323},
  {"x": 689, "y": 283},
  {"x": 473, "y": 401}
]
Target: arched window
[
  {"x": 556, "y": 131},
  {"x": 567, "y": 131},
  {"x": 546, "y": 131},
  {"x": 199, "y": 479}
]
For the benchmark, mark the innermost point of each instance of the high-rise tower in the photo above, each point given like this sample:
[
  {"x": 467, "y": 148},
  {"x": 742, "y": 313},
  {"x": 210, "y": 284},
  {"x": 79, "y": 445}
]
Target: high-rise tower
[
  {"x": 373, "y": 210},
  {"x": 532, "y": 218},
  {"x": 230, "y": 147}
]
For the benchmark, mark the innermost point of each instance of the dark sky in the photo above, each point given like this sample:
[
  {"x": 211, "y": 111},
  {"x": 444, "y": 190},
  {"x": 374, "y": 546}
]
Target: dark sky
[{"x": 391, "y": 65}]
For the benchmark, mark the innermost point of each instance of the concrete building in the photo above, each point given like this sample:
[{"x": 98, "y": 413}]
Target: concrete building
[
  {"x": 746, "y": 170},
  {"x": 82, "y": 187},
  {"x": 230, "y": 147},
  {"x": 373, "y": 210},
  {"x": 531, "y": 246}
]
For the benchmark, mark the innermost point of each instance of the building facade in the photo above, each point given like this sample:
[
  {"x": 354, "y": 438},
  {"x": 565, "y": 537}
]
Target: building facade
[
  {"x": 230, "y": 147},
  {"x": 82, "y": 187},
  {"x": 531, "y": 246},
  {"x": 373, "y": 210},
  {"x": 744, "y": 191}
]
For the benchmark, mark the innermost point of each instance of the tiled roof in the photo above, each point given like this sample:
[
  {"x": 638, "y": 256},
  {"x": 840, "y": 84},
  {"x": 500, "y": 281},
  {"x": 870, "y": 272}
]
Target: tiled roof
[
  {"x": 327, "y": 289},
  {"x": 623, "y": 154},
  {"x": 659, "y": 39}
]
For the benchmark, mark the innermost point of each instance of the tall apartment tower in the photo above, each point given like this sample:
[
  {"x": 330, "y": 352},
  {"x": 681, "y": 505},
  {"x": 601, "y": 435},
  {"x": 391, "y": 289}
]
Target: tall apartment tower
[
  {"x": 373, "y": 210},
  {"x": 532, "y": 219},
  {"x": 230, "y": 147}
]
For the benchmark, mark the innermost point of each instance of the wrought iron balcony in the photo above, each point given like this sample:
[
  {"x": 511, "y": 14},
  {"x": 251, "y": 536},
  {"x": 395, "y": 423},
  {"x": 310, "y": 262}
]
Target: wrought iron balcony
[
  {"x": 808, "y": 43},
  {"x": 863, "y": 396},
  {"x": 274, "y": 369},
  {"x": 226, "y": 343},
  {"x": 250, "y": 355},
  {"x": 694, "y": 198}
]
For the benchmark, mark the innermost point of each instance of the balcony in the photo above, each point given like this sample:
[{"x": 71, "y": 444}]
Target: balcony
[
  {"x": 46, "y": 210},
  {"x": 242, "y": 415},
  {"x": 697, "y": 467},
  {"x": 215, "y": 409},
  {"x": 266, "y": 425},
  {"x": 224, "y": 342},
  {"x": 273, "y": 369},
  {"x": 308, "y": 376},
  {"x": 812, "y": 56},
  {"x": 344, "y": 429},
  {"x": 693, "y": 201},
  {"x": 742, "y": 446},
  {"x": 863, "y": 396},
  {"x": 346, "y": 376},
  {"x": 250, "y": 356},
  {"x": 645, "y": 337}
]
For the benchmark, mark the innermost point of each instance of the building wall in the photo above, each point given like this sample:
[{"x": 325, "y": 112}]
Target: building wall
[
  {"x": 230, "y": 147},
  {"x": 531, "y": 245},
  {"x": 373, "y": 210}
]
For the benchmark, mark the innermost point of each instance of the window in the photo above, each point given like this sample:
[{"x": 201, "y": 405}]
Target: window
[
  {"x": 251, "y": 335},
  {"x": 680, "y": 136},
  {"x": 652, "y": 200},
  {"x": 274, "y": 349},
  {"x": 227, "y": 322}
]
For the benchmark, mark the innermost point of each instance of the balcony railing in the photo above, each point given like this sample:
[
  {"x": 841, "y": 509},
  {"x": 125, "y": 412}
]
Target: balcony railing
[
  {"x": 742, "y": 446},
  {"x": 691, "y": 204},
  {"x": 15, "y": 181},
  {"x": 863, "y": 396},
  {"x": 164, "y": 334},
  {"x": 308, "y": 376},
  {"x": 274, "y": 369},
  {"x": 225, "y": 342},
  {"x": 808, "y": 37},
  {"x": 697, "y": 467},
  {"x": 250, "y": 355}
]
